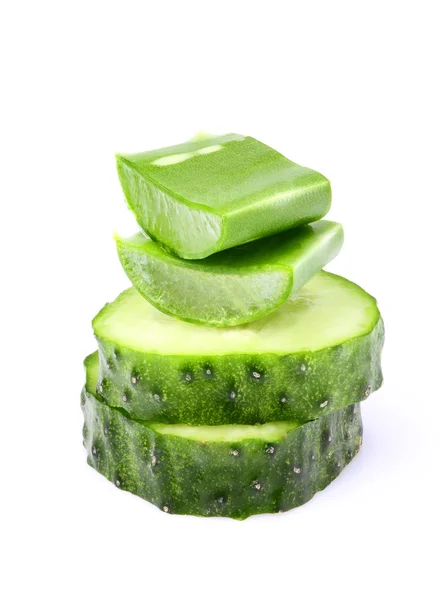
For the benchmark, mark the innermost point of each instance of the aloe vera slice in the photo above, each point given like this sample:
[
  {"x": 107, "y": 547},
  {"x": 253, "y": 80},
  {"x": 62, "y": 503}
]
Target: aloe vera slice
[
  {"x": 233, "y": 471},
  {"x": 233, "y": 287},
  {"x": 317, "y": 353},
  {"x": 214, "y": 193}
]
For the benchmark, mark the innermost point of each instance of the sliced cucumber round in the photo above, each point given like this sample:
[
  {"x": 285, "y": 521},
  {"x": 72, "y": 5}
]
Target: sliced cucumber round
[
  {"x": 214, "y": 193},
  {"x": 233, "y": 471},
  {"x": 317, "y": 353},
  {"x": 233, "y": 287}
]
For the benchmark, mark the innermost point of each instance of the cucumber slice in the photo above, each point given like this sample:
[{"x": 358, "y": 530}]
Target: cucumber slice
[
  {"x": 233, "y": 471},
  {"x": 214, "y": 193},
  {"x": 233, "y": 287},
  {"x": 317, "y": 353}
]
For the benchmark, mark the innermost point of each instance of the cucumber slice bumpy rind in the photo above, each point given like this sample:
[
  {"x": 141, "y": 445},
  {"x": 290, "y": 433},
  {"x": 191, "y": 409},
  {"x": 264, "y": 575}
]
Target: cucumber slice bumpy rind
[
  {"x": 233, "y": 287},
  {"x": 317, "y": 353},
  {"x": 214, "y": 193},
  {"x": 233, "y": 471}
]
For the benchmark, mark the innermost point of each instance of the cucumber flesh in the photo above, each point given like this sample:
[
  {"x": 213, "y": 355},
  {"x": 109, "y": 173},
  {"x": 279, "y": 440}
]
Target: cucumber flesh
[
  {"x": 325, "y": 312},
  {"x": 317, "y": 353},
  {"x": 269, "y": 432},
  {"x": 214, "y": 193},
  {"x": 223, "y": 471},
  {"x": 233, "y": 287}
]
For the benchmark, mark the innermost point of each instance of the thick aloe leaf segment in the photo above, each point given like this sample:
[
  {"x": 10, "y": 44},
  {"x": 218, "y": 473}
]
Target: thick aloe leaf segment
[
  {"x": 317, "y": 353},
  {"x": 233, "y": 287},
  {"x": 233, "y": 471},
  {"x": 214, "y": 193}
]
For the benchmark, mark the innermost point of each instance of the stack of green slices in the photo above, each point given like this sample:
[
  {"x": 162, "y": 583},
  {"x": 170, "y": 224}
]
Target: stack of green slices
[{"x": 228, "y": 379}]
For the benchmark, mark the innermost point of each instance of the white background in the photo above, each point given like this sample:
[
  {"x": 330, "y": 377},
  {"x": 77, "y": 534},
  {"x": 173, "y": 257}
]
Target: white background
[{"x": 353, "y": 89}]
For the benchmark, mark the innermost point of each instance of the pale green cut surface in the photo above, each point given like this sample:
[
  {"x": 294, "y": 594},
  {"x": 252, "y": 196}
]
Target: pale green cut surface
[
  {"x": 91, "y": 364},
  {"x": 270, "y": 432},
  {"x": 327, "y": 311}
]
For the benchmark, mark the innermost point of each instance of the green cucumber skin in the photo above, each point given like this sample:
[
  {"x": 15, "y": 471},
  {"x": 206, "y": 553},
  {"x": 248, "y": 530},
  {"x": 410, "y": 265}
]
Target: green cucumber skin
[
  {"x": 208, "y": 203},
  {"x": 199, "y": 390},
  {"x": 235, "y": 286},
  {"x": 236, "y": 479}
]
